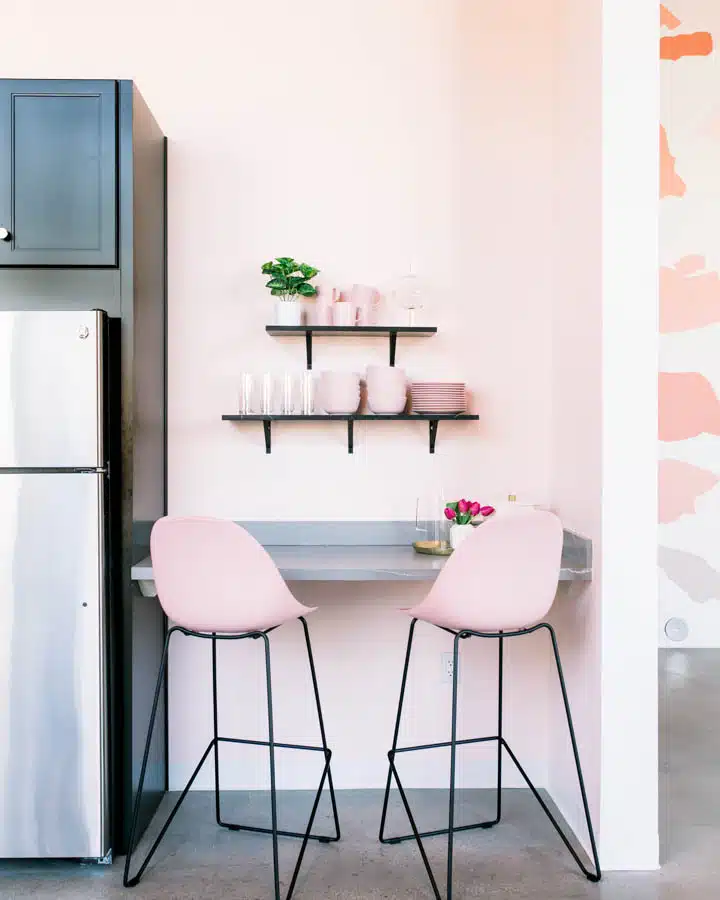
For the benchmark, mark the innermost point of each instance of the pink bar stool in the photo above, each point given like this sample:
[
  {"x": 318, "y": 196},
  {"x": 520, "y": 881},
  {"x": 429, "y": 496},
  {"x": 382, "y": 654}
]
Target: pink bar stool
[
  {"x": 500, "y": 583},
  {"x": 215, "y": 581}
]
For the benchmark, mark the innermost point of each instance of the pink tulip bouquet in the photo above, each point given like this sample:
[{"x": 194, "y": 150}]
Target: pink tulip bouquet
[{"x": 462, "y": 512}]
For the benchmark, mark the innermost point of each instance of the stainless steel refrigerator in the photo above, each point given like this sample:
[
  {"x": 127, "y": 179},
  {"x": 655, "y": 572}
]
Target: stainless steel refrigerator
[{"x": 53, "y": 586}]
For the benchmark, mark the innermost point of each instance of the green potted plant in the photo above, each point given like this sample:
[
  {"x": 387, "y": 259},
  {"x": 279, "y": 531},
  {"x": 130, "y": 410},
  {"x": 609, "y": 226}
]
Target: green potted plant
[{"x": 289, "y": 282}]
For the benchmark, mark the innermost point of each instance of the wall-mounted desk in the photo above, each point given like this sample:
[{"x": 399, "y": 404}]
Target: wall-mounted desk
[{"x": 310, "y": 560}]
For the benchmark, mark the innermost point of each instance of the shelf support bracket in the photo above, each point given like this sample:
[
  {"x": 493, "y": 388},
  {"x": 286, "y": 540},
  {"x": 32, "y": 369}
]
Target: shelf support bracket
[
  {"x": 433, "y": 424},
  {"x": 350, "y": 435},
  {"x": 267, "y": 426},
  {"x": 393, "y": 346},
  {"x": 308, "y": 348}
]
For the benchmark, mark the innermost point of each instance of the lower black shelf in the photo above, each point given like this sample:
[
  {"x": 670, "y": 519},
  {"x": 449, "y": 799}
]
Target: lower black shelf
[{"x": 433, "y": 420}]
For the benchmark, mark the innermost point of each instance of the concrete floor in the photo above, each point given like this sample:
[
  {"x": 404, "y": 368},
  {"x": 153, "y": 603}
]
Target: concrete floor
[{"x": 520, "y": 859}]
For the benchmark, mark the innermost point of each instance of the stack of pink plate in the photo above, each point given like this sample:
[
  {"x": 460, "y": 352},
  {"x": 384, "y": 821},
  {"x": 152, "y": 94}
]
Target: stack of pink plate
[{"x": 438, "y": 396}]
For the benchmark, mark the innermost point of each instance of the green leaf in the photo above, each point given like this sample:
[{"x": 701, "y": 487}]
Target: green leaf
[
  {"x": 308, "y": 271},
  {"x": 286, "y": 263},
  {"x": 279, "y": 284},
  {"x": 277, "y": 293},
  {"x": 306, "y": 290},
  {"x": 267, "y": 268}
]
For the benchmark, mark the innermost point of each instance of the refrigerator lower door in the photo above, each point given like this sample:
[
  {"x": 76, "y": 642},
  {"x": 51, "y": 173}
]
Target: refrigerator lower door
[{"x": 53, "y": 731}]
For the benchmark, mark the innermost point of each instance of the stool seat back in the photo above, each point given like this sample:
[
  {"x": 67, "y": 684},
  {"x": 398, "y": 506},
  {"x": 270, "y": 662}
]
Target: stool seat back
[
  {"x": 502, "y": 577},
  {"x": 213, "y": 576}
]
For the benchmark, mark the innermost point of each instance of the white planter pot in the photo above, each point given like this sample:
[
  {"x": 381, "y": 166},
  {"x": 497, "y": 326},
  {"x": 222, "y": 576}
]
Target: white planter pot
[
  {"x": 288, "y": 312},
  {"x": 458, "y": 533}
]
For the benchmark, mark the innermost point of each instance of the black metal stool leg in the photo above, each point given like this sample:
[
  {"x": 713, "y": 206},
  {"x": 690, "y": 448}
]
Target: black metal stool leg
[
  {"x": 597, "y": 875},
  {"x": 215, "y": 730},
  {"x": 403, "y": 684},
  {"x": 321, "y": 723},
  {"x": 271, "y": 748},
  {"x": 131, "y": 882},
  {"x": 453, "y": 754},
  {"x": 127, "y": 881},
  {"x": 501, "y": 678}
]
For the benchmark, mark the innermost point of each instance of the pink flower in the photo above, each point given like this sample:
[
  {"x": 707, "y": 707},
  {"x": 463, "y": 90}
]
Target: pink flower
[
  {"x": 487, "y": 510},
  {"x": 474, "y": 508},
  {"x": 463, "y": 506},
  {"x": 450, "y": 513}
]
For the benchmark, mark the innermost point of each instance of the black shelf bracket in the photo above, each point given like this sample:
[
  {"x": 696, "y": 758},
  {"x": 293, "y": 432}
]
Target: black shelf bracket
[
  {"x": 433, "y": 428},
  {"x": 308, "y": 348},
  {"x": 393, "y": 345},
  {"x": 351, "y": 422},
  {"x": 267, "y": 428}
]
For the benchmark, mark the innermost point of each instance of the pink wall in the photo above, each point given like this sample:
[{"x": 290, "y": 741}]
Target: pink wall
[
  {"x": 577, "y": 388},
  {"x": 359, "y": 136},
  {"x": 408, "y": 131}
]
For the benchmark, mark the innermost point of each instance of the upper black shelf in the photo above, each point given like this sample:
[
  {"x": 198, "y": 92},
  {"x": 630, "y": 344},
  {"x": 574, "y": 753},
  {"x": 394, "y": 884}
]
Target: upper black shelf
[{"x": 391, "y": 330}]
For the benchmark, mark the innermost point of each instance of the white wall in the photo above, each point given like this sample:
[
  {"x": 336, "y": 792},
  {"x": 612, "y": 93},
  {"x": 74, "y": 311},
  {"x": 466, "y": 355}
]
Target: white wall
[{"x": 605, "y": 413}]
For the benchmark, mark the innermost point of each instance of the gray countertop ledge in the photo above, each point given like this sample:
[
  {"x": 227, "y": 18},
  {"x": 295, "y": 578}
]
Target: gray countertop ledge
[{"x": 362, "y": 551}]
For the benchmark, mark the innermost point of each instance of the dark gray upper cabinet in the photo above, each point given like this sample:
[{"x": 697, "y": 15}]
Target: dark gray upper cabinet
[{"x": 58, "y": 173}]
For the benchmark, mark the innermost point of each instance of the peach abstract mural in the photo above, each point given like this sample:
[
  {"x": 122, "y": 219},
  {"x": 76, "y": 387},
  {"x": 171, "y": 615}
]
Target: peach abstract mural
[
  {"x": 677, "y": 46},
  {"x": 689, "y": 295},
  {"x": 671, "y": 184},
  {"x": 679, "y": 486},
  {"x": 689, "y": 380},
  {"x": 668, "y": 19},
  {"x": 688, "y": 406}
]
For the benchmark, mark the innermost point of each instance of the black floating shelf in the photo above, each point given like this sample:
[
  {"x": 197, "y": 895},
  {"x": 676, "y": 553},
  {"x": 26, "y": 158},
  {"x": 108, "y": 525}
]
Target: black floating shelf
[
  {"x": 391, "y": 330},
  {"x": 433, "y": 419}
]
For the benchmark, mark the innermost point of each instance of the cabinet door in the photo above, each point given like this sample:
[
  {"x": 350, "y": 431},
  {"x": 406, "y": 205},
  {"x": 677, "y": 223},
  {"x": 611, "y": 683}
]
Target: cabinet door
[{"x": 58, "y": 173}]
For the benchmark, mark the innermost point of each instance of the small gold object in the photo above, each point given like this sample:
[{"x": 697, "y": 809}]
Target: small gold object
[
  {"x": 512, "y": 498},
  {"x": 433, "y": 548}
]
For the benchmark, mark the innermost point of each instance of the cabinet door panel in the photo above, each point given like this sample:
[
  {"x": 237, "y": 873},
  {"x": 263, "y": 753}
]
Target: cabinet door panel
[{"x": 58, "y": 173}]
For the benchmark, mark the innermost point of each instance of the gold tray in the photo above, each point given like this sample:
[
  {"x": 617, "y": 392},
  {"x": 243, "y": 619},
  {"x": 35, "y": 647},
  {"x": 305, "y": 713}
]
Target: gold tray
[{"x": 432, "y": 548}]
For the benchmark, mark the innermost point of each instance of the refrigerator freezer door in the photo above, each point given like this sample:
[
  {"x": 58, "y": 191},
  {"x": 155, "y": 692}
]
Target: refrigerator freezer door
[
  {"x": 51, "y": 390},
  {"x": 53, "y": 738}
]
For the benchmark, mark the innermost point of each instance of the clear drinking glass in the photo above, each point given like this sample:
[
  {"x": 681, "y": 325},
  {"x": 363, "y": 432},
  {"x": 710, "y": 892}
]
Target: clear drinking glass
[
  {"x": 308, "y": 394},
  {"x": 266, "y": 396},
  {"x": 287, "y": 405},
  {"x": 246, "y": 390}
]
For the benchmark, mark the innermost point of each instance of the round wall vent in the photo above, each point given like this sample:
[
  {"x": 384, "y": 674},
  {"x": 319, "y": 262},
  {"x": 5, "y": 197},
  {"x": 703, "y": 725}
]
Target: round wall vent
[{"x": 677, "y": 629}]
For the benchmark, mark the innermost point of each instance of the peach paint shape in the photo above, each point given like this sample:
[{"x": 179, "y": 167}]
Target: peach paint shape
[
  {"x": 668, "y": 19},
  {"x": 677, "y": 46},
  {"x": 689, "y": 297},
  {"x": 671, "y": 184},
  {"x": 687, "y": 406},
  {"x": 679, "y": 486}
]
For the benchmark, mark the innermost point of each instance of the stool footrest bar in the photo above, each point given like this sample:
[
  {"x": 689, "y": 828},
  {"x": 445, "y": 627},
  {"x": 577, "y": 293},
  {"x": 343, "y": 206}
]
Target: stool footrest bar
[
  {"x": 323, "y": 838},
  {"x": 276, "y": 744},
  {"x": 481, "y": 740},
  {"x": 440, "y": 831}
]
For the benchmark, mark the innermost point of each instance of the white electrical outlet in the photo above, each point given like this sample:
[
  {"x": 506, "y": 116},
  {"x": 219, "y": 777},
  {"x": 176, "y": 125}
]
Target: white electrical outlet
[{"x": 448, "y": 663}]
